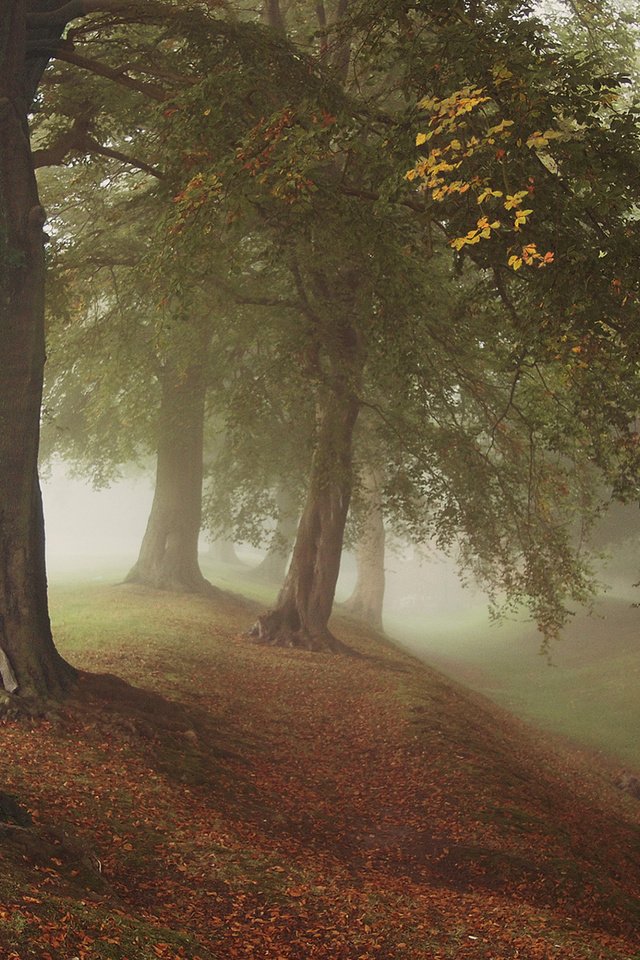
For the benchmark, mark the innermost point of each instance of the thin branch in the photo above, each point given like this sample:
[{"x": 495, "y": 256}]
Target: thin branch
[
  {"x": 93, "y": 146},
  {"x": 351, "y": 191},
  {"x": 246, "y": 300},
  {"x": 321, "y": 14}
]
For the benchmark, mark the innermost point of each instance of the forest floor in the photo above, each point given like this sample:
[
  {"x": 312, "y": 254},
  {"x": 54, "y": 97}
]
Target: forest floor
[{"x": 203, "y": 797}]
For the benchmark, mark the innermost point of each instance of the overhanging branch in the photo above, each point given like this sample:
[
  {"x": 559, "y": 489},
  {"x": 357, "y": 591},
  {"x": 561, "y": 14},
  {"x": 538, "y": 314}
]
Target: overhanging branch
[
  {"x": 94, "y": 147},
  {"x": 64, "y": 14},
  {"x": 77, "y": 140},
  {"x": 63, "y": 52}
]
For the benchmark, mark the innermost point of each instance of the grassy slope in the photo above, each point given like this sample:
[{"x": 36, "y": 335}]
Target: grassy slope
[
  {"x": 587, "y": 690},
  {"x": 269, "y": 804}
]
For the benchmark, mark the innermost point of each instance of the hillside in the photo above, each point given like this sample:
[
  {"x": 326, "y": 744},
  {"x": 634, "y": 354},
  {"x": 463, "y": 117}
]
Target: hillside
[
  {"x": 585, "y": 689},
  {"x": 226, "y": 800}
]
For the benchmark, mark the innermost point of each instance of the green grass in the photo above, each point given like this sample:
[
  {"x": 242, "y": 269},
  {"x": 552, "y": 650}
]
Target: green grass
[{"x": 585, "y": 689}]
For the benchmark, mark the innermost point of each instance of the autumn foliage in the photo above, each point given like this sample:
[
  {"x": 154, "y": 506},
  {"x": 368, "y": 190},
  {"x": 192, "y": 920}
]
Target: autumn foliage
[{"x": 240, "y": 801}]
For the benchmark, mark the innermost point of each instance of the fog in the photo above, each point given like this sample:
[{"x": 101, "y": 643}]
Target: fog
[
  {"x": 583, "y": 688},
  {"x": 98, "y": 532},
  {"x": 86, "y": 528}
]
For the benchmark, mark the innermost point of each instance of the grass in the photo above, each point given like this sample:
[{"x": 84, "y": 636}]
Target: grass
[
  {"x": 279, "y": 805},
  {"x": 586, "y": 690}
]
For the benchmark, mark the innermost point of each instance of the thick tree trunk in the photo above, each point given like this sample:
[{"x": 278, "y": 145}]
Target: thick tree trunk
[
  {"x": 303, "y": 607},
  {"x": 168, "y": 558},
  {"x": 273, "y": 568},
  {"x": 31, "y": 665},
  {"x": 367, "y": 599}
]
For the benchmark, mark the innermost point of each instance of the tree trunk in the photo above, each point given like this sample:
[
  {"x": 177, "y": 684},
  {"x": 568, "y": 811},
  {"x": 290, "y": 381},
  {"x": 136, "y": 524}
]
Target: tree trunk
[
  {"x": 31, "y": 665},
  {"x": 273, "y": 567},
  {"x": 224, "y": 551},
  {"x": 367, "y": 599},
  {"x": 272, "y": 16},
  {"x": 168, "y": 558},
  {"x": 303, "y": 607}
]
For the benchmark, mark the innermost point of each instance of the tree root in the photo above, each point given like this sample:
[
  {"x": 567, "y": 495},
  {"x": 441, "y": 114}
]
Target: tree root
[
  {"x": 279, "y": 628},
  {"x": 171, "y": 584}
]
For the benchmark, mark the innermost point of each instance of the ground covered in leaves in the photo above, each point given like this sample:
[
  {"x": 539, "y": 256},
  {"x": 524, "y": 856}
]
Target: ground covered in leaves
[{"x": 202, "y": 797}]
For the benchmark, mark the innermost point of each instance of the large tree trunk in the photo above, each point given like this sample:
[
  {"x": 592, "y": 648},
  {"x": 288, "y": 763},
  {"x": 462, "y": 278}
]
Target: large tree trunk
[
  {"x": 168, "y": 558},
  {"x": 30, "y": 664},
  {"x": 273, "y": 567},
  {"x": 302, "y": 611},
  {"x": 367, "y": 599}
]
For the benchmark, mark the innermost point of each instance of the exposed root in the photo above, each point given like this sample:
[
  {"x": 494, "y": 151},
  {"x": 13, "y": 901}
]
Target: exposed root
[
  {"x": 280, "y": 628},
  {"x": 172, "y": 584}
]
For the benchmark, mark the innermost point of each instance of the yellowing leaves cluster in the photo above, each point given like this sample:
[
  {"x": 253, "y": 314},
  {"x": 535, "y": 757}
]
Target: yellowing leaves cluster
[
  {"x": 482, "y": 231},
  {"x": 529, "y": 255},
  {"x": 454, "y": 137}
]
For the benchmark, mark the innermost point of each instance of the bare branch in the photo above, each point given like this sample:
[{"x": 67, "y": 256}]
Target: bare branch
[
  {"x": 371, "y": 195},
  {"x": 77, "y": 140}
]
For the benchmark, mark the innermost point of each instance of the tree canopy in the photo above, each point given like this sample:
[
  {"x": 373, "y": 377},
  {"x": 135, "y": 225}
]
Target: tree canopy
[{"x": 431, "y": 210}]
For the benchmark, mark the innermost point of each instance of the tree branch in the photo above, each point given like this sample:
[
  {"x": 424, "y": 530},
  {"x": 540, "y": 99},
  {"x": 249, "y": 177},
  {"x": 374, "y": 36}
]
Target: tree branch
[
  {"x": 351, "y": 191},
  {"x": 64, "y": 14},
  {"x": 54, "y": 155},
  {"x": 77, "y": 140},
  {"x": 93, "y": 146},
  {"x": 63, "y": 52}
]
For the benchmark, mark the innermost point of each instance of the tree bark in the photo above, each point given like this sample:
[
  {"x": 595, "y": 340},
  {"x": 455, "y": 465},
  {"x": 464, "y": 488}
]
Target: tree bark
[
  {"x": 272, "y": 16},
  {"x": 168, "y": 558},
  {"x": 31, "y": 664},
  {"x": 366, "y": 601},
  {"x": 273, "y": 567},
  {"x": 301, "y": 615}
]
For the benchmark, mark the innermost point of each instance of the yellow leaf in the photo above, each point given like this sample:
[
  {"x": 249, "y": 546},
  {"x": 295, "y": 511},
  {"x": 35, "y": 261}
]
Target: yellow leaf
[
  {"x": 515, "y": 199},
  {"x": 420, "y": 139},
  {"x": 488, "y": 192},
  {"x": 500, "y": 127}
]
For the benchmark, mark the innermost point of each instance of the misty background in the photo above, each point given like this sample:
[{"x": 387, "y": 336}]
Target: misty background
[{"x": 584, "y": 687}]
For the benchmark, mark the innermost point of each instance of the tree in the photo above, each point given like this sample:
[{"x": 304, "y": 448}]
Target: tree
[
  {"x": 266, "y": 140},
  {"x": 168, "y": 558},
  {"x": 30, "y": 663},
  {"x": 273, "y": 566},
  {"x": 367, "y": 600}
]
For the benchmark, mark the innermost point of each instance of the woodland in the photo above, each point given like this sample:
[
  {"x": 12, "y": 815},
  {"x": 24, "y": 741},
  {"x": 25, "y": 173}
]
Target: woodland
[{"x": 336, "y": 269}]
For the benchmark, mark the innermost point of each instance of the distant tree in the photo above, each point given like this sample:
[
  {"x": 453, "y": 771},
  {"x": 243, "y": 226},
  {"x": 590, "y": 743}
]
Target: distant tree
[{"x": 367, "y": 600}]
